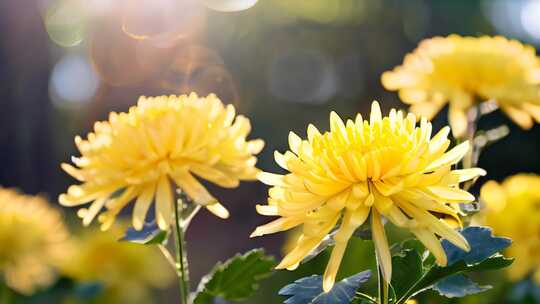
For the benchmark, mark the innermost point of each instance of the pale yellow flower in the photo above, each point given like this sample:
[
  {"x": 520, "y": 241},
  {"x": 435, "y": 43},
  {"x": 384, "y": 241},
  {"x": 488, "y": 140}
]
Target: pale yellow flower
[
  {"x": 33, "y": 241},
  {"x": 136, "y": 155},
  {"x": 387, "y": 167},
  {"x": 127, "y": 271},
  {"x": 466, "y": 70},
  {"x": 513, "y": 210}
]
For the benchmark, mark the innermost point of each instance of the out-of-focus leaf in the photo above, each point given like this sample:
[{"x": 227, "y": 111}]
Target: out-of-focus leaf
[
  {"x": 458, "y": 286},
  {"x": 483, "y": 245},
  {"x": 526, "y": 291},
  {"x": 309, "y": 290},
  {"x": 236, "y": 279},
  {"x": 88, "y": 291},
  {"x": 150, "y": 234},
  {"x": 406, "y": 270}
]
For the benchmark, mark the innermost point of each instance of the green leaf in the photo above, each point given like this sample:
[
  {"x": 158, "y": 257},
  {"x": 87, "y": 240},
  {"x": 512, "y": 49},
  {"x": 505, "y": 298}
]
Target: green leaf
[
  {"x": 483, "y": 245},
  {"x": 149, "y": 235},
  {"x": 236, "y": 279},
  {"x": 407, "y": 269},
  {"x": 308, "y": 290},
  {"x": 482, "y": 256},
  {"x": 458, "y": 286}
]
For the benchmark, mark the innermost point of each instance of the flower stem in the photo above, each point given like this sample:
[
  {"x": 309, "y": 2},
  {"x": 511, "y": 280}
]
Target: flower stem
[
  {"x": 471, "y": 158},
  {"x": 181, "y": 259},
  {"x": 383, "y": 285}
]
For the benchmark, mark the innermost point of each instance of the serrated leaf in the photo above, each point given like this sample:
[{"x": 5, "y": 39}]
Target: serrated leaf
[
  {"x": 458, "y": 286},
  {"x": 483, "y": 256},
  {"x": 407, "y": 269},
  {"x": 236, "y": 279},
  {"x": 150, "y": 234},
  {"x": 308, "y": 290},
  {"x": 483, "y": 245}
]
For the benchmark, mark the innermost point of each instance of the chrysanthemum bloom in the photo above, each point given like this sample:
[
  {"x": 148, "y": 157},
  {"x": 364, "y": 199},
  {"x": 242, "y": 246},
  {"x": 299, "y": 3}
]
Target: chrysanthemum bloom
[
  {"x": 33, "y": 241},
  {"x": 387, "y": 167},
  {"x": 513, "y": 210},
  {"x": 465, "y": 71},
  {"x": 136, "y": 156},
  {"x": 127, "y": 271}
]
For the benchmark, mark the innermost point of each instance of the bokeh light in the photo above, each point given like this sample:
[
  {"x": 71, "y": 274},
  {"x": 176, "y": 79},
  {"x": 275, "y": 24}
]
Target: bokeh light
[
  {"x": 65, "y": 22},
  {"x": 302, "y": 75},
  {"x": 73, "y": 82},
  {"x": 229, "y": 5},
  {"x": 163, "y": 21},
  {"x": 530, "y": 19}
]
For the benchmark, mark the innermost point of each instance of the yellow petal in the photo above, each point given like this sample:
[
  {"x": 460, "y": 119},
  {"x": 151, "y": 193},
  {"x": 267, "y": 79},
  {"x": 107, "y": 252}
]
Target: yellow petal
[
  {"x": 464, "y": 175},
  {"x": 194, "y": 189},
  {"x": 458, "y": 121},
  {"x": 281, "y": 224},
  {"x": 453, "y": 194},
  {"x": 142, "y": 204},
  {"x": 164, "y": 203},
  {"x": 218, "y": 210},
  {"x": 493, "y": 195},
  {"x": 294, "y": 142},
  {"x": 351, "y": 221},
  {"x": 449, "y": 158},
  {"x": 522, "y": 118},
  {"x": 375, "y": 114},
  {"x": 432, "y": 244},
  {"x": 268, "y": 210},
  {"x": 384, "y": 257},
  {"x": 271, "y": 179}
]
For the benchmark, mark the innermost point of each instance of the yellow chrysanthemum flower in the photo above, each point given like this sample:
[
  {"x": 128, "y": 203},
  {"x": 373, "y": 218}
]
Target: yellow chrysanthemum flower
[
  {"x": 513, "y": 210},
  {"x": 466, "y": 70},
  {"x": 33, "y": 240},
  {"x": 387, "y": 167},
  {"x": 127, "y": 271},
  {"x": 136, "y": 155}
]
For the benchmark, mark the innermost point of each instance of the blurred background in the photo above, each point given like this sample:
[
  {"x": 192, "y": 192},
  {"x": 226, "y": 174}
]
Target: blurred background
[{"x": 67, "y": 63}]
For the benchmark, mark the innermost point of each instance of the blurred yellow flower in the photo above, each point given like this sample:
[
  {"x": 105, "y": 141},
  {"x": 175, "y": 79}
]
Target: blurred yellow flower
[
  {"x": 513, "y": 210},
  {"x": 33, "y": 241},
  {"x": 466, "y": 70},
  {"x": 127, "y": 271},
  {"x": 387, "y": 163},
  {"x": 136, "y": 155}
]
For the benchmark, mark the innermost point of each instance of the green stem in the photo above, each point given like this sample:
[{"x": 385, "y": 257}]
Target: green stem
[
  {"x": 383, "y": 286},
  {"x": 181, "y": 260},
  {"x": 471, "y": 158}
]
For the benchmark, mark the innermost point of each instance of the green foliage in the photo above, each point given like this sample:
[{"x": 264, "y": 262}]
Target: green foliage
[
  {"x": 149, "y": 235},
  {"x": 309, "y": 290},
  {"x": 482, "y": 256},
  {"x": 458, "y": 286},
  {"x": 236, "y": 279}
]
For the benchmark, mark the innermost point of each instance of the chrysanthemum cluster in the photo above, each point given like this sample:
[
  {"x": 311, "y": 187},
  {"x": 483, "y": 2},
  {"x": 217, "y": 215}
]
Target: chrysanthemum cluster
[
  {"x": 33, "y": 241},
  {"x": 466, "y": 70},
  {"x": 162, "y": 141},
  {"x": 382, "y": 168},
  {"x": 513, "y": 210}
]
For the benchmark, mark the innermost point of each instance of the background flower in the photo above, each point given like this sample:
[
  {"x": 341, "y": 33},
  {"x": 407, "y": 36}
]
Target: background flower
[
  {"x": 136, "y": 155},
  {"x": 513, "y": 210},
  {"x": 127, "y": 271},
  {"x": 381, "y": 167},
  {"x": 466, "y": 70},
  {"x": 34, "y": 241}
]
